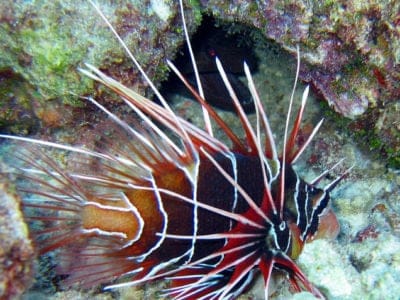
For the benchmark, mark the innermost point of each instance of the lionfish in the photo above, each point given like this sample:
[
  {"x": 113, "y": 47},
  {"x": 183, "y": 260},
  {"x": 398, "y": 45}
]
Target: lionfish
[{"x": 170, "y": 201}]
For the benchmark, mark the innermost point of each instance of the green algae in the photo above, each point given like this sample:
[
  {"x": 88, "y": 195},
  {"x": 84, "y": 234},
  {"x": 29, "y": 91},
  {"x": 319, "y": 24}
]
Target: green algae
[
  {"x": 45, "y": 43},
  {"x": 50, "y": 53}
]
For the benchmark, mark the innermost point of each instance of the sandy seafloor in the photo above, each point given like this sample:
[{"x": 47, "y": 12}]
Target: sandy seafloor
[{"x": 353, "y": 266}]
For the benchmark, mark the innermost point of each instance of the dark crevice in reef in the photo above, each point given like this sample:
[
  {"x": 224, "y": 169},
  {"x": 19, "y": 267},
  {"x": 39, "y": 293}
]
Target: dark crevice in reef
[
  {"x": 16, "y": 112},
  {"x": 216, "y": 39}
]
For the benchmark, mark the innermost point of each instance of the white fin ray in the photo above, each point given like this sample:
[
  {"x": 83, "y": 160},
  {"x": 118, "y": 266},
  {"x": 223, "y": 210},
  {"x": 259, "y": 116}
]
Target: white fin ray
[
  {"x": 206, "y": 116},
  {"x": 156, "y": 111},
  {"x": 216, "y": 236},
  {"x": 217, "y": 270},
  {"x": 59, "y": 146},
  {"x": 232, "y": 181},
  {"x": 221, "y": 212},
  {"x": 323, "y": 174},
  {"x": 285, "y": 139},
  {"x": 185, "y": 137},
  {"x": 270, "y": 139},
  {"x": 250, "y": 135}
]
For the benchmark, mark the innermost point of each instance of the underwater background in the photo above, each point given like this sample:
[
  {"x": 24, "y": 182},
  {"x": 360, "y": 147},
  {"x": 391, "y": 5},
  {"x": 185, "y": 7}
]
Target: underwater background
[{"x": 350, "y": 56}]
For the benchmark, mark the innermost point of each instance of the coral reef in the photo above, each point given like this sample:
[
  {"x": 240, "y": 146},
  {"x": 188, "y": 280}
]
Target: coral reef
[
  {"x": 16, "y": 251},
  {"x": 350, "y": 50},
  {"x": 352, "y": 55},
  {"x": 43, "y": 43}
]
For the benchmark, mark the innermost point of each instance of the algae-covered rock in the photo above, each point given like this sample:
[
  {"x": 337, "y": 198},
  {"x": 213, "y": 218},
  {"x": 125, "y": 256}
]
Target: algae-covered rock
[
  {"x": 350, "y": 51},
  {"x": 43, "y": 43},
  {"x": 351, "y": 55}
]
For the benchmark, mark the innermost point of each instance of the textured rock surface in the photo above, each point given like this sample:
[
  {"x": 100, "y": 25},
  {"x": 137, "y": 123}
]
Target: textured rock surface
[
  {"x": 353, "y": 46},
  {"x": 16, "y": 251},
  {"x": 42, "y": 45},
  {"x": 352, "y": 55},
  {"x": 350, "y": 50}
]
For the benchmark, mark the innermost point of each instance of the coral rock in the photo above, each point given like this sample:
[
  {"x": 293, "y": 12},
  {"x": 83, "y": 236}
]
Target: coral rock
[{"x": 16, "y": 252}]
